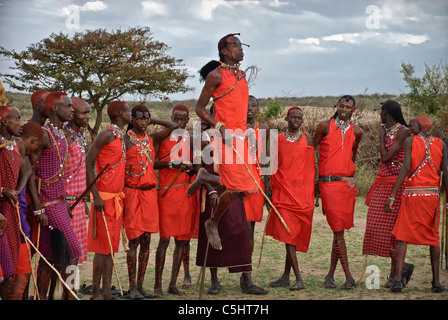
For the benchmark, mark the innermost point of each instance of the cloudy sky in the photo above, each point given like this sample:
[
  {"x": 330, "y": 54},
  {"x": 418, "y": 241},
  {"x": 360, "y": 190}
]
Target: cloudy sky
[{"x": 302, "y": 48}]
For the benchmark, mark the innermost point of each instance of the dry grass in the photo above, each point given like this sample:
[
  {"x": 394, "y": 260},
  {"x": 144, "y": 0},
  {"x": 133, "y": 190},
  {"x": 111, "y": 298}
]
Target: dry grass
[{"x": 313, "y": 267}]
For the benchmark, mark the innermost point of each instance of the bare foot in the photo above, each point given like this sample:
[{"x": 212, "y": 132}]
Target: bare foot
[
  {"x": 196, "y": 183},
  {"x": 157, "y": 293},
  {"x": 211, "y": 229},
  {"x": 186, "y": 283},
  {"x": 174, "y": 290}
]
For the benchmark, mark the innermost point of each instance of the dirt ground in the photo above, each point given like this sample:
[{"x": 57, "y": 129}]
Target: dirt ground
[{"x": 313, "y": 266}]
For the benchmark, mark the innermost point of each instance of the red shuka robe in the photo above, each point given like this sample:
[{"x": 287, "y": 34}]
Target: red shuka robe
[
  {"x": 338, "y": 197},
  {"x": 231, "y": 110},
  {"x": 253, "y": 202},
  {"x": 177, "y": 212},
  {"x": 141, "y": 211},
  {"x": 110, "y": 186},
  {"x": 418, "y": 219},
  {"x": 293, "y": 192}
]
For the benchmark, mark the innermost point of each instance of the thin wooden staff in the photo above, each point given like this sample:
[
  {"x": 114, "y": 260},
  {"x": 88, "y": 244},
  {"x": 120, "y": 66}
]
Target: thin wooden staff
[
  {"x": 36, "y": 291},
  {"x": 89, "y": 187},
  {"x": 33, "y": 275},
  {"x": 363, "y": 270},
  {"x": 438, "y": 202},
  {"x": 50, "y": 265},
  {"x": 261, "y": 249},
  {"x": 203, "y": 271},
  {"x": 442, "y": 243},
  {"x": 112, "y": 252},
  {"x": 264, "y": 194},
  {"x": 169, "y": 187},
  {"x": 270, "y": 203},
  {"x": 6, "y": 144}
]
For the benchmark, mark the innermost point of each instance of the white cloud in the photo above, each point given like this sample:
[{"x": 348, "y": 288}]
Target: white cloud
[
  {"x": 402, "y": 39},
  {"x": 93, "y": 6},
  {"x": 88, "y": 6},
  {"x": 154, "y": 8},
  {"x": 307, "y": 45}
]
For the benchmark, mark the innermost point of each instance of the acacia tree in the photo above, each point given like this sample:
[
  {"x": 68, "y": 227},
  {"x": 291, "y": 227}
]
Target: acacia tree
[
  {"x": 98, "y": 66},
  {"x": 428, "y": 94}
]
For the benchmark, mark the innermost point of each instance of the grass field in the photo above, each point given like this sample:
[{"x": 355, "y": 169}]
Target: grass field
[{"x": 313, "y": 267}]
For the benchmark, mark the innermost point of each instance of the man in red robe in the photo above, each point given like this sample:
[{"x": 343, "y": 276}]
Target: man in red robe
[
  {"x": 108, "y": 148},
  {"x": 177, "y": 211},
  {"x": 227, "y": 85},
  {"x": 418, "y": 220},
  {"x": 293, "y": 194},
  {"x": 254, "y": 202},
  {"x": 12, "y": 249},
  {"x": 338, "y": 139},
  {"x": 141, "y": 210},
  {"x": 75, "y": 173}
]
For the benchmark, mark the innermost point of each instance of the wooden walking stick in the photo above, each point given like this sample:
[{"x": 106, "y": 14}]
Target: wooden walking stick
[
  {"x": 363, "y": 270},
  {"x": 6, "y": 144},
  {"x": 33, "y": 274},
  {"x": 49, "y": 264},
  {"x": 264, "y": 194},
  {"x": 36, "y": 291},
  {"x": 172, "y": 182},
  {"x": 93, "y": 212},
  {"x": 203, "y": 271},
  {"x": 85, "y": 192},
  {"x": 112, "y": 253},
  {"x": 442, "y": 242}
]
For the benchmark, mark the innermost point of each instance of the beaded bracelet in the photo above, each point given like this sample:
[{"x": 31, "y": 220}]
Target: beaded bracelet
[
  {"x": 38, "y": 212},
  {"x": 218, "y": 125}
]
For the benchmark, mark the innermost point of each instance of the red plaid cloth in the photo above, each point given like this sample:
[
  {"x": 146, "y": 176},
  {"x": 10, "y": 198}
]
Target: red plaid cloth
[
  {"x": 9, "y": 174},
  {"x": 75, "y": 184},
  {"x": 378, "y": 238},
  {"x": 52, "y": 188}
]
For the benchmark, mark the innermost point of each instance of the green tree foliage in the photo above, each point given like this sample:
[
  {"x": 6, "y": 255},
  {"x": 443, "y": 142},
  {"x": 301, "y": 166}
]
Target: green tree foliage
[
  {"x": 99, "y": 66},
  {"x": 428, "y": 94}
]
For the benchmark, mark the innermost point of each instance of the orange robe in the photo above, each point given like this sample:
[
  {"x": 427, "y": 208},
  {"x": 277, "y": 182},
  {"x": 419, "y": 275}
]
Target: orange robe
[
  {"x": 293, "y": 192},
  {"x": 253, "y": 202},
  {"x": 141, "y": 211},
  {"x": 418, "y": 219},
  {"x": 177, "y": 212},
  {"x": 338, "y": 197},
  {"x": 231, "y": 110},
  {"x": 110, "y": 186}
]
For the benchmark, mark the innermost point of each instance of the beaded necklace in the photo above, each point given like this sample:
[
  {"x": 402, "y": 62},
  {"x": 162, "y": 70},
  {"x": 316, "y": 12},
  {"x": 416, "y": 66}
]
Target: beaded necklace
[
  {"x": 428, "y": 156},
  {"x": 11, "y": 146},
  {"x": 293, "y": 137},
  {"x": 390, "y": 132},
  {"x": 344, "y": 126},
  {"x": 235, "y": 70},
  {"x": 118, "y": 133},
  {"x": 79, "y": 138},
  {"x": 54, "y": 131},
  {"x": 143, "y": 146}
]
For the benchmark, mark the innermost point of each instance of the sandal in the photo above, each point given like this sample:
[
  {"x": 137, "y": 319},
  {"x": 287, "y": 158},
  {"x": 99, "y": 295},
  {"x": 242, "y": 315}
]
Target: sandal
[
  {"x": 389, "y": 283},
  {"x": 407, "y": 273},
  {"x": 214, "y": 288},
  {"x": 279, "y": 283},
  {"x": 437, "y": 289},
  {"x": 397, "y": 286},
  {"x": 329, "y": 283},
  {"x": 253, "y": 289},
  {"x": 349, "y": 284},
  {"x": 299, "y": 285}
]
